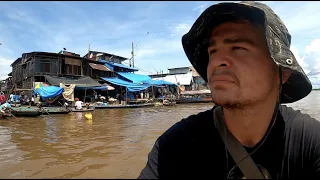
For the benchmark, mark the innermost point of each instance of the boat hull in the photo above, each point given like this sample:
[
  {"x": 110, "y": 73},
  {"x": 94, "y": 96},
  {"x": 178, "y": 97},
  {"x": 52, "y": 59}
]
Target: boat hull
[
  {"x": 82, "y": 110},
  {"x": 26, "y": 111},
  {"x": 55, "y": 110},
  {"x": 185, "y": 101},
  {"x": 124, "y": 106}
]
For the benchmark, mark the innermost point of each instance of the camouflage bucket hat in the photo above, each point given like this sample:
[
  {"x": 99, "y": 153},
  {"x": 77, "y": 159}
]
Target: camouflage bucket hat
[{"x": 195, "y": 43}]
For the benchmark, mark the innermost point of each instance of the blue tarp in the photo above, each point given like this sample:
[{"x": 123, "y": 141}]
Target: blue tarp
[
  {"x": 158, "y": 82},
  {"x": 46, "y": 92},
  {"x": 111, "y": 65},
  {"x": 132, "y": 87},
  {"x": 135, "y": 78}
]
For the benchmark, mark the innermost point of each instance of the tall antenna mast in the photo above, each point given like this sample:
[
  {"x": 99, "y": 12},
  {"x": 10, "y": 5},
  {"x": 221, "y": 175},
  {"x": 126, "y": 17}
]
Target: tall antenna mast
[
  {"x": 132, "y": 56},
  {"x": 88, "y": 51}
]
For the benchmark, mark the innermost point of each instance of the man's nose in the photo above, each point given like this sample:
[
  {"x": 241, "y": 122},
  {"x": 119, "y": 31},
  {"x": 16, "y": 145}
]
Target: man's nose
[{"x": 220, "y": 59}]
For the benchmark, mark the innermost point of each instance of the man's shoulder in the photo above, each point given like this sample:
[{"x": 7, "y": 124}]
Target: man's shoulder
[
  {"x": 298, "y": 122},
  {"x": 292, "y": 116}
]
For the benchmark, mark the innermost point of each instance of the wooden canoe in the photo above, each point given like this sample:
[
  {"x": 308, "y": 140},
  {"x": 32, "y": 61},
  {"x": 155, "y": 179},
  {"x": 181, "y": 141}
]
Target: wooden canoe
[{"x": 26, "y": 111}]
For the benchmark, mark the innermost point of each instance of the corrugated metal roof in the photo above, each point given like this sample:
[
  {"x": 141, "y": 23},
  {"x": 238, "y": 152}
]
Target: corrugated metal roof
[
  {"x": 99, "y": 67},
  {"x": 83, "y": 81}
]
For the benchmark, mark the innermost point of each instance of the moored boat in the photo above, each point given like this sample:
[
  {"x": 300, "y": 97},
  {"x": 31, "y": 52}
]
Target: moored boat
[
  {"x": 26, "y": 111},
  {"x": 84, "y": 109},
  {"x": 193, "y": 100},
  {"x": 201, "y": 96},
  {"x": 123, "y": 106},
  {"x": 168, "y": 103},
  {"x": 55, "y": 110}
]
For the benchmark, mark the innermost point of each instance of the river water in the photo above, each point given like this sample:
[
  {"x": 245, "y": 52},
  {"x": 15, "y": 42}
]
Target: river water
[{"x": 115, "y": 144}]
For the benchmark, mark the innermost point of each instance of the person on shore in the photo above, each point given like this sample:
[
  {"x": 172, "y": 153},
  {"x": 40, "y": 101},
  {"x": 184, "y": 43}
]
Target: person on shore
[
  {"x": 243, "y": 51},
  {"x": 3, "y": 98},
  {"x": 95, "y": 96},
  {"x": 32, "y": 102}
]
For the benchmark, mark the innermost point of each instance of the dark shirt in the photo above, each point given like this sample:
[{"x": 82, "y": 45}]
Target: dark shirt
[{"x": 193, "y": 148}]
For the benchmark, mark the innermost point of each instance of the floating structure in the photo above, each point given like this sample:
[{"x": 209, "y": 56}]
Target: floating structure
[{"x": 201, "y": 96}]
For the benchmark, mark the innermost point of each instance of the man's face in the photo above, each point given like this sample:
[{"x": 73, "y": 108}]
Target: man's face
[{"x": 240, "y": 70}]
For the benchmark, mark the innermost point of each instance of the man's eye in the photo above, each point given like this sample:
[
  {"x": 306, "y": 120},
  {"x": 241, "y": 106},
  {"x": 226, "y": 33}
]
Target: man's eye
[
  {"x": 212, "y": 51},
  {"x": 235, "y": 48}
]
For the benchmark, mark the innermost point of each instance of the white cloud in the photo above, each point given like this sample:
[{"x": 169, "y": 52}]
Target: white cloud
[
  {"x": 313, "y": 47},
  {"x": 300, "y": 59},
  {"x": 267, "y": 2},
  {"x": 182, "y": 28},
  {"x": 5, "y": 67},
  {"x": 199, "y": 9},
  {"x": 309, "y": 60}
]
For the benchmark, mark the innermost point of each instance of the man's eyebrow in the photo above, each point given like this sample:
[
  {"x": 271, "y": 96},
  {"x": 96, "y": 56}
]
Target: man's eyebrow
[{"x": 212, "y": 42}]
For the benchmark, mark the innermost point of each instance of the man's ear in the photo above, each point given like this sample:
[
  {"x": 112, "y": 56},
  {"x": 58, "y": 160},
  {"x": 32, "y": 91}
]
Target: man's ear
[{"x": 286, "y": 73}]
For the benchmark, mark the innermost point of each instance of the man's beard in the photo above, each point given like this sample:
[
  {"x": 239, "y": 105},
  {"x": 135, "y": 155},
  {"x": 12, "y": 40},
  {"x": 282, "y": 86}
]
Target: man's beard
[
  {"x": 236, "y": 105},
  {"x": 241, "y": 103}
]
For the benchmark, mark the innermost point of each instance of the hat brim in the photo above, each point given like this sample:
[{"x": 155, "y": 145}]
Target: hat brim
[{"x": 195, "y": 43}]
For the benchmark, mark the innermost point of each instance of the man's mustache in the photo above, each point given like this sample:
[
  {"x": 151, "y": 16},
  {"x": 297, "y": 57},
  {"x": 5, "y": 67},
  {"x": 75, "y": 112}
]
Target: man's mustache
[{"x": 225, "y": 73}]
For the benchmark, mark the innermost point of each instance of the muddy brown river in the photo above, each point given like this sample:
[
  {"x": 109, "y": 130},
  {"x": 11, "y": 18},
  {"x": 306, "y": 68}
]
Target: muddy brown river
[{"x": 115, "y": 144}]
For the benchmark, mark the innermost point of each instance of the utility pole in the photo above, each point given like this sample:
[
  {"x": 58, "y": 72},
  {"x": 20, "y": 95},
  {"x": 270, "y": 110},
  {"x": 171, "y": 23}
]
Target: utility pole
[
  {"x": 132, "y": 56},
  {"x": 88, "y": 55}
]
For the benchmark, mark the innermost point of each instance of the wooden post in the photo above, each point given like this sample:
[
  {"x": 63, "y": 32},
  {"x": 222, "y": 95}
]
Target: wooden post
[
  {"x": 15, "y": 93},
  {"x": 85, "y": 93},
  {"x": 126, "y": 95},
  {"x": 107, "y": 95}
]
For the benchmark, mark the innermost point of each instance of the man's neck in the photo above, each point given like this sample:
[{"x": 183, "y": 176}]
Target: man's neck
[{"x": 250, "y": 125}]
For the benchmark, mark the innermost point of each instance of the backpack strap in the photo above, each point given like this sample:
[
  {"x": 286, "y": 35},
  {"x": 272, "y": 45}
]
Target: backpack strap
[{"x": 235, "y": 148}]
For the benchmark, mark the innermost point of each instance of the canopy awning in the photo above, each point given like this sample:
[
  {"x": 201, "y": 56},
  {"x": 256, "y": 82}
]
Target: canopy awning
[
  {"x": 153, "y": 82},
  {"x": 132, "y": 87},
  {"x": 47, "y": 92},
  {"x": 180, "y": 79},
  {"x": 205, "y": 91},
  {"x": 104, "y": 87},
  {"x": 134, "y": 78},
  {"x": 100, "y": 67},
  {"x": 83, "y": 81},
  {"x": 112, "y": 65}
]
